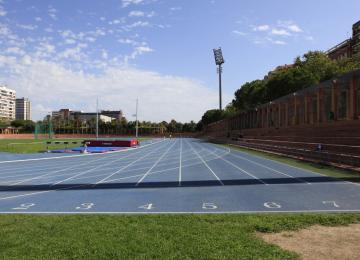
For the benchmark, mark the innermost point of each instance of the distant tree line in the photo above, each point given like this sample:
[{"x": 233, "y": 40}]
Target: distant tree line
[{"x": 114, "y": 127}]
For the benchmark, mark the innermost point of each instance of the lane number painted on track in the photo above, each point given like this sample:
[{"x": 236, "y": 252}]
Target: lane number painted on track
[
  {"x": 332, "y": 203},
  {"x": 147, "y": 206},
  {"x": 272, "y": 205},
  {"x": 85, "y": 206},
  {"x": 207, "y": 205},
  {"x": 25, "y": 206}
]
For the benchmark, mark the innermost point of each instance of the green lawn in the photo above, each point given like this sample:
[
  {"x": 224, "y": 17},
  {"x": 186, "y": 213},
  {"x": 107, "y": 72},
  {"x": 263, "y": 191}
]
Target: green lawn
[
  {"x": 346, "y": 175},
  {"x": 35, "y": 146},
  {"x": 151, "y": 236}
]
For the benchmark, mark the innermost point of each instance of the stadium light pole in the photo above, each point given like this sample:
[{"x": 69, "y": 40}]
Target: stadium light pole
[{"x": 219, "y": 60}]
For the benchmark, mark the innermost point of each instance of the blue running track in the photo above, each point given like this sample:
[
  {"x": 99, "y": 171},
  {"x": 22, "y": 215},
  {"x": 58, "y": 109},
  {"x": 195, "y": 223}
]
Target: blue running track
[{"x": 167, "y": 176}]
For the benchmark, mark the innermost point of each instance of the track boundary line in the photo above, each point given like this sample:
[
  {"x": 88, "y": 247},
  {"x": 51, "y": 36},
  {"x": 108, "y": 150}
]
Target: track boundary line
[{"x": 180, "y": 212}]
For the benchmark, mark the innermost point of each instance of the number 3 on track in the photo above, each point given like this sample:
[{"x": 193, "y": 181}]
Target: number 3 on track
[{"x": 85, "y": 206}]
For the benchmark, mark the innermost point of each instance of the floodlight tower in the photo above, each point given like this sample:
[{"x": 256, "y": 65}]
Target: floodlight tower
[{"x": 219, "y": 60}]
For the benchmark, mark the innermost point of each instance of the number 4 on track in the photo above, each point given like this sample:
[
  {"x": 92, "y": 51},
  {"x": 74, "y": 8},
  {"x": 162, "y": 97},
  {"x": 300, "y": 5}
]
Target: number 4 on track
[
  {"x": 332, "y": 203},
  {"x": 147, "y": 206},
  {"x": 207, "y": 205}
]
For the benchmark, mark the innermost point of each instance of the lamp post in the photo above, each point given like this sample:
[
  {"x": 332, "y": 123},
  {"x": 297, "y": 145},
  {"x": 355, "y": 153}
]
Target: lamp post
[
  {"x": 136, "y": 119},
  {"x": 219, "y": 60},
  {"x": 97, "y": 118}
]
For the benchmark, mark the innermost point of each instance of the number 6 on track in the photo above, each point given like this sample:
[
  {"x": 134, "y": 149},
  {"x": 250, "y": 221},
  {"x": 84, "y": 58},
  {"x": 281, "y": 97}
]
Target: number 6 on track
[
  {"x": 24, "y": 206},
  {"x": 272, "y": 205}
]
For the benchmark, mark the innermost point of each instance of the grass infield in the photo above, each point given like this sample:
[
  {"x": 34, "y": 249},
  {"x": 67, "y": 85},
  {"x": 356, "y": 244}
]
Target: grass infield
[
  {"x": 35, "y": 146},
  {"x": 152, "y": 236}
]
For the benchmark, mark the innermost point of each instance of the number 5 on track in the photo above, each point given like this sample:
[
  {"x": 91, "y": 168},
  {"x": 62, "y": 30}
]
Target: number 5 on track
[{"x": 207, "y": 205}]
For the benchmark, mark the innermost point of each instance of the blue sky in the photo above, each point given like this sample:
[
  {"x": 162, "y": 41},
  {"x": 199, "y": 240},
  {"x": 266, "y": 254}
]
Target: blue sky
[{"x": 66, "y": 53}]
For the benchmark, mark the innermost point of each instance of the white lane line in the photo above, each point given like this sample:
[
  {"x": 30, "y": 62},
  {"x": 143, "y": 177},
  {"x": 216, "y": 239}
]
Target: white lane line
[
  {"x": 156, "y": 172},
  {"x": 79, "y": 155},
  {"x": 71, "y": 167},
  {"x": 46, "y": 191},
  {"x": 242, "y": 170},
  {"x": 152, "y": 167},
  {"x": 160, "y": 171},
  {"x": 269, "y": 168},
  {"x": 180, "y": 159},
  {"x": 205, "y": 164},
  {"x": 92, "y": 169},
  {"x": 288, "y": 165},
  {"x": 126, "y": 166}
]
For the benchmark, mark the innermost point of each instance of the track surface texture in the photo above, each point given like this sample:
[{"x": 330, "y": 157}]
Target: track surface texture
[{"x": 167, "y": 176}]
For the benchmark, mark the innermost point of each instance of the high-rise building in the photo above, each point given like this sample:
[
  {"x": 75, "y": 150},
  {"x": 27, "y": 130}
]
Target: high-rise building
[
  {"x": 23, "y": 109},
  {"x": 7, "y": 103}
]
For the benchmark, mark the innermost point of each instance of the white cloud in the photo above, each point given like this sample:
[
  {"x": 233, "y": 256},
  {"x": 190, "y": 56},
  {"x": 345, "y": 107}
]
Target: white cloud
[
  {"x": 175, "y": 8},
  {"x": 104, "y": 54},
  {"x": 295, "y": 28},
  {"x": 161, "y": 97},
  {"x": 261, "y": 28},
  {"x": 239, "y": 32},
  {"x": 126, "y": 3},
  {"x": 280, "y": 32},
  {"x": 278, "y": 42},
  {"x": 290, "y": 25},
  {"x": 75, "y": 53},
  {"x": 29, "y": 27},
  {"x": 70, "y": 41},
  {"x": 38, "y": 19},
  {"x": 15, "y": 50},
  {"x": 137, "y": 24},
  {"x": 136, "y": 14},
  {"x": 128, "y": 41},
  {"x": 2, "y": 11},
  {"x": 52, "y": 13}
]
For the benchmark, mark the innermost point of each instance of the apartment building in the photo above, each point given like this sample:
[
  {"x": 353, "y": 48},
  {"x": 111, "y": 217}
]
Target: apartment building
[{"x": 7, "y": 103}]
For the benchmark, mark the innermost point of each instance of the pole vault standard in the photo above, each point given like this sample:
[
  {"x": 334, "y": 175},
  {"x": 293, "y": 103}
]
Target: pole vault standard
[{"x": 219, "y": 60}]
